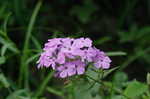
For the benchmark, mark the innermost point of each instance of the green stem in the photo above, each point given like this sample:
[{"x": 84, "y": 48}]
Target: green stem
[
  {"x": 56, "y": 92},
  {"x": 44, "y": 84},
  {"x": 24, "y": 68}
]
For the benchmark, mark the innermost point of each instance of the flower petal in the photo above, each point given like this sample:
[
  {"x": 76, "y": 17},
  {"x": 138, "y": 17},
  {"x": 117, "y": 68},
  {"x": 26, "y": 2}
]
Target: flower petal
[
  {"x": 71, "y": 72},
  {"x": 80, "y": 70},
  {"x": 63, "y": 74}
]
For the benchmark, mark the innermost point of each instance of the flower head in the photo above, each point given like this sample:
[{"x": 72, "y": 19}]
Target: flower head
[{"x": 68, "y": 56}]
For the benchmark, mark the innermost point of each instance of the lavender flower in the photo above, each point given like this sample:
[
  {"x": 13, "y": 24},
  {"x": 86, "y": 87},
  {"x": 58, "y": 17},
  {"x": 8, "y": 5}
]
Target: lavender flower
[
  {"x": 71, "y": 68},
  {"x": 68, "y": 56}
]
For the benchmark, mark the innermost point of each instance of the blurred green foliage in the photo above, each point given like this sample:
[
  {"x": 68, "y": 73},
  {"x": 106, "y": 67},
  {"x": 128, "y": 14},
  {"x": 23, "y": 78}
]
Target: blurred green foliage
[{"x": 121, "y": 28}]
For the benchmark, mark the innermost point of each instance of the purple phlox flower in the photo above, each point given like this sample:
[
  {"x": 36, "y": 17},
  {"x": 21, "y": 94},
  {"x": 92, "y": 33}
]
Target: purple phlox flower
[
  {"x": 67, "y": 69},
  {"x": 70, "y": 69},
  {"x": 101, "y": 60},
  {"x": 80, "y": 67},
  {"x": 106, "y": 62},
  {"x": 67, "y": 45},
  {"x": 46, "y": 61},
  {"x": 68, "y": 56},
  {"x": 82, "y": 42},
  {"x": 60, "y": 58},
  {"x": 52, "y": 43},
  {"x": 89, "y": 54}
]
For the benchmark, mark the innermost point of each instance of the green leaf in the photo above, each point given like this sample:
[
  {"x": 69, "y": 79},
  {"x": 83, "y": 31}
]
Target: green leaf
[
  {"x": 134, "y": 33},
  {"x": 2, "y": 60},
  {"x": 102, "y": 40},
  {"x": 81, "y": 92},
  {"x": 32, "y": 58},
  {"x": 135, "y": 89},
  {"x": 2, "y": 33},
  {"x": 118, "y": 53},
  {"x": 143, "y": 32},
  {"x": 2, "y": 40},
  {"x": 3, "y": 50},
  {"x": 93, "y": 73},
  {"x": 119, "y": 79},
  {"x": 54, "y": 91},
  {"x": 4, "y": 81},
  {"x": 19, "y": 94},
  {"x": 9, "y": 45},
  {"x": 107, "y": 72}
]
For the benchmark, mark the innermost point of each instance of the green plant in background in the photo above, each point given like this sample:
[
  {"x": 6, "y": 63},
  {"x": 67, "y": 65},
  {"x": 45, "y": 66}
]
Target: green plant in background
[
  {"x": 24, "y": 67},
  {"x": 84, "y": 12},
  {"x": 141, "y": 38}
]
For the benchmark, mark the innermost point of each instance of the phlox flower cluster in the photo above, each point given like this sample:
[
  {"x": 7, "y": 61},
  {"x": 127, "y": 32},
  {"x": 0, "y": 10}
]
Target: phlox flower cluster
[{"x": 69, "y": 56}]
